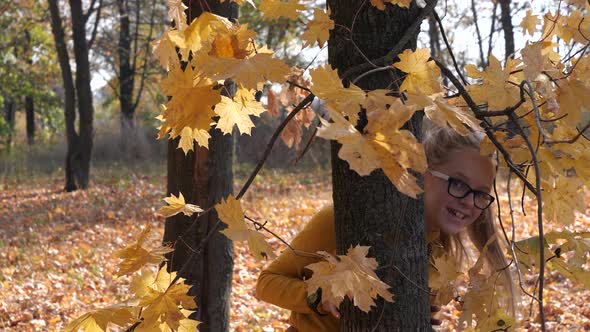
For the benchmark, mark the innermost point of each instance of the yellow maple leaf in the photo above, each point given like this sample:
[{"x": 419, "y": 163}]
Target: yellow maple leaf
[
  {"x": 356, "y": 150},
  {"x": 136, "y": 255},
  {"x": 529, "y": 23},
  {"x": 192, "y": 99},
  {"x": 328, "y": 86},
  {"x": 378, "y": 99},
  {"x": 237, "y": 111},
  {"x": 422, "y": 75},
  {"x": 164, "y": 48},
  {"x": 496, "y": 89},
  {"x": 383, "y": 145},
  {"x": 500, "y": 320},
  {"x": 249, "y": 72},
  {"x": 176, "y": 13},
  {"x": 443, "y": 279},
  {"x": 562, "y": 198},
  {"x": 199, "y": 33},
  {"x": 232, "y": 113},
  {"x": 573, "y": 96},
  {"x": 274, "y": 9},
  {"x": 535, "y": 62},
  {"x": 441, "y": 112},
  {"x": 233, "y": 42},
  {"x": 380, "y": 4},
  {"x": 352, "y": 275},
  {"x": 318, "y": 29},
  {"x": 178, "y": 205},
  {"x": 164, "y": 304},
  {"x": 121, "y": 314},
  {"x": 231, "y": 213}
]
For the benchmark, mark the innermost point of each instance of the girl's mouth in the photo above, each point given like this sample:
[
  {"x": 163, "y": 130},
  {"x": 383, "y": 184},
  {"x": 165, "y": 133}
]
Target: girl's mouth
[{"x": 459, "y": 215}]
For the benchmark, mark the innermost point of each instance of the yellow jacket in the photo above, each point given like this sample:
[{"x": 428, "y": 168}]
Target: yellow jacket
[{"x": 281, "y": 283}]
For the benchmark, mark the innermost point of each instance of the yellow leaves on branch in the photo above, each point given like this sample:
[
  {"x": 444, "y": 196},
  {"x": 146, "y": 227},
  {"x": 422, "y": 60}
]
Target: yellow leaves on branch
[
  {"x": 318, "y": 29},
  {"x": 499, "y": 89},
  {"x": 231, "y": 213},
  {"x": 352, "y": 275},
  {"x": 177, "y": 205},
  {"x": 383, "y": 145},
  {"x": 219, "y": 50},
  {"x": 136, "y": 255},
  {"x": 163, "y": 301},
  {"x": 423, "y": 76},
  {"x": 327, "y": 86},
  {"x": 98, "y": 320},
  {"x": 274, "y": 9},
  {"x": 529, "y": 23},
  {"x": 237, "y": 111}
]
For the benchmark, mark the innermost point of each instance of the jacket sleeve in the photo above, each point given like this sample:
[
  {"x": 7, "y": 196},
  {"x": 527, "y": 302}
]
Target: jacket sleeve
[{"x": 281, "y": 283}]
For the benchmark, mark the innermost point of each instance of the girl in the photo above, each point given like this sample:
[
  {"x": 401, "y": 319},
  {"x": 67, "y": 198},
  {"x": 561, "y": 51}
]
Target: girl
[{"x": 457, "y": 198}]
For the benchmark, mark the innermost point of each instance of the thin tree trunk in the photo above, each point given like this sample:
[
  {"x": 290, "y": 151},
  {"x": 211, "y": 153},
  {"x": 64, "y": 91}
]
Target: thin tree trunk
[
  {"x": 72, "y": 166},
  {"x": 369, "y": 210},
  {"x": 9, "y": 117},
  {"x": 126, "y": 74},
  {"x": 83, "y": 91},
  {"x": 29, "y": 101},
  {"x": 508, "y": 29},
  {"x": 482, "y": 60},
  {"x": 204, "y": 178}
]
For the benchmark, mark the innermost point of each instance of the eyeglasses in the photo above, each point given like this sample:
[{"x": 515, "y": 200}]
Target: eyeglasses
[{"x": 460, "y": 189}]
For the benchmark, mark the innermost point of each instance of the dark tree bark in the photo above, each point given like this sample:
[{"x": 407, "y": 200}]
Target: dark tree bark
[
  {"x": 128, "y": 52},
  {"x": 433, "y": 37},
  {"x": 369, "y": 210},
  {"x": 72, "y": 164},
  {"x": 9, "y": 116},
  {"x": 83, "y": 91},
  {"x": 204, "y": 177},
  {"x": 126, "y": 74},
  {"x": 29, "y": 101},
  {"x": 508, "y": 28}
]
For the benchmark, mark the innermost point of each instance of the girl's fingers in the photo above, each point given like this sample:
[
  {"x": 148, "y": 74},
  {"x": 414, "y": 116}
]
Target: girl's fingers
[
  {"x": 434, "y": 321},
  {"x": 434, "y": 308}
]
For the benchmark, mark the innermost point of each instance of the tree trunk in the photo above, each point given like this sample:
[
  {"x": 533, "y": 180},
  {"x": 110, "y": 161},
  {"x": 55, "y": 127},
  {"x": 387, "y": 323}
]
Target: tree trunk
[
  {"x": 508, "y": 29},
  {"x": 126, "y": 75},
  {"x": 9, "y": 116},
  {"x": 72, "y": 165},
  {"x": 204, "y": 178},
  {"x": 369, "y": 210},
  {"x": 83, "y": 91},
  {"x": 29, "y": 101}
]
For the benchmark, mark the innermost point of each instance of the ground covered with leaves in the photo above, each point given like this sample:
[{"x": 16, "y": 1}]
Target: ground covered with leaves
[{"x": 57, "y": 262}]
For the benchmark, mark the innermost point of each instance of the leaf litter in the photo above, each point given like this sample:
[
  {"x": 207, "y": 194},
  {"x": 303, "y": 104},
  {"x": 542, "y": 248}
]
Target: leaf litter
[{"x": 57, "y": 249}]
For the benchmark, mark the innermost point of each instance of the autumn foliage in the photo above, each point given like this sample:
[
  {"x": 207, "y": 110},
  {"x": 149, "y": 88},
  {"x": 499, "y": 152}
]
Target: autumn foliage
[{"x": 531, "y": 108}]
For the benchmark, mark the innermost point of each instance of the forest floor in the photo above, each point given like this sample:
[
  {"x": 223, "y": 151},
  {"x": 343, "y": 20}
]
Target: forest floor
[{"x": 57, "y": 262}]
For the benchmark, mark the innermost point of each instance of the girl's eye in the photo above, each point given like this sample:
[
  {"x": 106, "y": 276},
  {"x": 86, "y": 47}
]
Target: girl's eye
[{"x": 459, "y": 186}]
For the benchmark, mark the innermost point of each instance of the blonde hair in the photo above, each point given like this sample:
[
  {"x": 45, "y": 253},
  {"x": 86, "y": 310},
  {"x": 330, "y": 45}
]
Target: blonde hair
[{"x": 438, "y": 142}]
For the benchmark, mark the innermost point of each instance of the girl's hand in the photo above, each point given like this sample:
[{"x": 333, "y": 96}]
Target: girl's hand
[
  {"x": 331, "y": 309},
  {"x": 433, "y": 310}
]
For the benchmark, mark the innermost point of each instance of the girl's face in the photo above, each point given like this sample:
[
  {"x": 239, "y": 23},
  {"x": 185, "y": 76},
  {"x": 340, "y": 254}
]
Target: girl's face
[{"x": 444, "y": 212}]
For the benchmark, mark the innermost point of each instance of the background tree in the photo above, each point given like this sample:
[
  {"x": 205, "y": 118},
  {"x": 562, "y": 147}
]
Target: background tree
[{"x": 78, "y": 94}]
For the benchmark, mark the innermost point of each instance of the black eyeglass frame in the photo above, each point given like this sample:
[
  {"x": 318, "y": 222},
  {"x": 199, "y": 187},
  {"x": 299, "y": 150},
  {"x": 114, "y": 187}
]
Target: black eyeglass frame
[{"x": 451, "y": 179}]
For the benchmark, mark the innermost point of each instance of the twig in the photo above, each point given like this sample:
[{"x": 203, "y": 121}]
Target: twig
[
  {"x": 475, "y": 109},
  {"x": 539, "y": 220},
  {"x": 273, "y": 139},
  {"x": 449, "y": 48}
]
